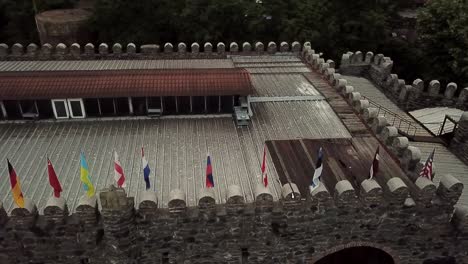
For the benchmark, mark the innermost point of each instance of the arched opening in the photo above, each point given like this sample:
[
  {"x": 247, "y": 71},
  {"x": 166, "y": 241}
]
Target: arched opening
[{"x": 358, "y": 255}]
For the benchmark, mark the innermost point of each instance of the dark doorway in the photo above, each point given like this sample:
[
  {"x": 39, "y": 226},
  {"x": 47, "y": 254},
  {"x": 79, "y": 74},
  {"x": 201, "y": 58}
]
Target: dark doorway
[
  {"x": 92, "y": 107},
  {"x": 121, "y": 105},
  {"x": 213, "y": 104},
  {"x": 169, "y": 105},
  {"x": 139, "y": 105},
  {"x": 183, "y": 104},
  {"x": 12, "y": 109},
  {"x": 107, "y": 106},
  {"x": 357, "y": 255},
  {"x": 45, "y": 109},
  {"x": 198, "y": 104},
  {"x": 227, "y": 104}
]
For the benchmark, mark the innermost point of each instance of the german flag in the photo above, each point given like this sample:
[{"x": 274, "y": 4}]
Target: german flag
[{"x": 15, "y": 186}]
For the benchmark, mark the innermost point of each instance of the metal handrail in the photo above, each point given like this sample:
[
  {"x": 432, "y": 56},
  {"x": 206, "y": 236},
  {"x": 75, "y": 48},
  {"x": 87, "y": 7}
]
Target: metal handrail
[
  {"x": 447, "y": 117},
  {"x": 397, "y": 119}
]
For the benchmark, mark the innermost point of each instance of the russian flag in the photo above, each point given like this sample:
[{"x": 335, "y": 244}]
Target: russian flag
[
  {"x": 209, "y": 174},
  {"x": 146, "y": 169}
]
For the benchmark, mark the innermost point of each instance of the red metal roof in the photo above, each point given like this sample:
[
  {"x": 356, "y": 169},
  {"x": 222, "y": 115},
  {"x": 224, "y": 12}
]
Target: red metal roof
[{"x": 124, "y": 83}]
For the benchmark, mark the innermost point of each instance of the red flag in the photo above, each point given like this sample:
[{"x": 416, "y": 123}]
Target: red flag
[
  {"x": 53, "y": 180},
  {"x": 119, "y": 175},
  {"x": 264, "y": 174}
]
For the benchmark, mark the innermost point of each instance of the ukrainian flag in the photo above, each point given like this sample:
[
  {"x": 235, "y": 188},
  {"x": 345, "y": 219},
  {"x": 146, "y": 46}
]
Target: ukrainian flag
[{"x": 85, "y": 179}]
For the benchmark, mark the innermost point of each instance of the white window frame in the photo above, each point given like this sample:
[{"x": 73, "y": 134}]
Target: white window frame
[
  {"x": 80, "y": 100},
  {"x": 65, "y": 101}
]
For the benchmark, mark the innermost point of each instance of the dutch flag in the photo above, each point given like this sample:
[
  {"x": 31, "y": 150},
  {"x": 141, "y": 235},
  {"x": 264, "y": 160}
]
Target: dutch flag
[{"x": 146, "y": 169}]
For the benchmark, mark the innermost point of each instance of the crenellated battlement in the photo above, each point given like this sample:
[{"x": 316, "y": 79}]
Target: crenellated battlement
[
  {"x": 298, "y": 223},
  {"x": 147, "y": 51},
  {"x": 409, "y": 96}
]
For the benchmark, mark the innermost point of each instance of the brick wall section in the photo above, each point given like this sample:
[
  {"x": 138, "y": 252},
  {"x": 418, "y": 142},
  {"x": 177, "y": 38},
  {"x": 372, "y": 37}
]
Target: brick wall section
[{"x": 280, "y": 232}]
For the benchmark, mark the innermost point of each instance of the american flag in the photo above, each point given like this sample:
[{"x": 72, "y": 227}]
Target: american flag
[{"x": 427, "y": 169}]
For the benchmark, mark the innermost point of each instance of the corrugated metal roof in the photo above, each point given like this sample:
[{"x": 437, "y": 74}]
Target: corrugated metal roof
[
  {"x": 445, "y": 162},
  {"x": 92, "y": 65},
  {"x": 282, "y": 85},
  {"x": 176, "y": 150},
  {"x": 85, "y": 84},
  {"x": 432, "y": 118}
]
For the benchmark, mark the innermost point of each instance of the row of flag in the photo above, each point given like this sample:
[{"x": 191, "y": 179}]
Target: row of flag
[
  {"x": 119, "y": 175},
  {"x": 85, "y": 178},
  {"x": 426, "y": 171}
]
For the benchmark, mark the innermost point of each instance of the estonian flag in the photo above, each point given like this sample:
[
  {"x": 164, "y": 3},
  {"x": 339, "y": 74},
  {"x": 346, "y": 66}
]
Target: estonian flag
[
  {"x": 318, "y": 171},
  {"x": 146, "y": 169},
  {"x": 209, "y": 174}
]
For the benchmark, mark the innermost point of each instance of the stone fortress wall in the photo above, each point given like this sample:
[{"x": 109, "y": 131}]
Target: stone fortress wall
[
  {"x": 131, "y": 51},
  {"x": 411, "y": 219},
  {"x": 412, "y": 96},
  {"x": 409, "y": 97}
]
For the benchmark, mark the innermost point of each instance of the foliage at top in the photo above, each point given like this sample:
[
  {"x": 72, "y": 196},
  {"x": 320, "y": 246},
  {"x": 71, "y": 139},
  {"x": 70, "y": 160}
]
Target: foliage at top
[{"x": 443, "y": 29}]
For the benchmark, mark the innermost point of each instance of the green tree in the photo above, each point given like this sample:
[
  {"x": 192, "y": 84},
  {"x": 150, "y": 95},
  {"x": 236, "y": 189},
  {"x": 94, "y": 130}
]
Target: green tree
[{"x": 443, "y": 31}]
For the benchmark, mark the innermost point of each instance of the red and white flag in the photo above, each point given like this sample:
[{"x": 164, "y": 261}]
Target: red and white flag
[
  {"x": 427, "y": 169},
  {"x": 119, "y": 174},
  {"x": 264, "y": 173},
  {"x": 374, "y": 169}
]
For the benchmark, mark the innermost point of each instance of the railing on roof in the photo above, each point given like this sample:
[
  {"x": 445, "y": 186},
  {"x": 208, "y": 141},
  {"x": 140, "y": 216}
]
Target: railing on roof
[
  {"x": 404, "y": 126},
  {"x": 443, "y": 129}
]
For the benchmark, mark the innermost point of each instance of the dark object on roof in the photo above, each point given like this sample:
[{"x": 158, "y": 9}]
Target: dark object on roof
[
  {"x": 124, "y": 83},
  {"x": 344, "y": 159}
]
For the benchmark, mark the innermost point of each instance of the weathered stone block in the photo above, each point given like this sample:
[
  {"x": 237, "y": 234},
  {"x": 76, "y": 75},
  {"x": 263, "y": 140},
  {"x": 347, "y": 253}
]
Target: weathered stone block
[
  {"x": 221, "y": 48},
  {"x": 263, "y": 197},
  {"x": 411, "y": 157},
  {"x": 233, "y": 47},
  {"x": 168, "y": 48},
  {"x": 284, "y": 47},
  {"x": 208, "y": 47},
  {"x": 272, "y": 47},
  {"x": 177, "y": 201},
  {"x": 61, "y": 49},
  {"x": 369, "y": 57},
  {"x": 103, "y": 49},
  {"x": 131, "y": 48},
  {"x": 195, "y": 47},
  {"x": 117, "y": 48},
  {"x": 148, "y": 200},
  {"x": 296, "y": 46},
  {"x": 246, "y": 47},
  {"x": 17, "y": 49},
  {"x": 181, "y": 47},
  {"x": 89, "y": 49},
  {"x": 31, "y": 50},
  {"x": 3, "y": 50},
  {"x": 434, "y": 87},
  {"x": 206, "y": 198},
  {"x": 259, "y": 47},
  {"x": 450, "y": 90},
  {"x": 75, "y": 50},
  {"x": 149, "y": 49}
]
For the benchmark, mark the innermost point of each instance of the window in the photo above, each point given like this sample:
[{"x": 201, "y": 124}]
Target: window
[
  {"x": 183, "y": 104},
  {"x": 198, "y": 104},
  {"x": 107, "y": 106},
  {"x": 121, "y": 104},
  {"x": 139, "y": 105},
  {"x": 45, "y": 109},
  {"x": 92, "y": 107},
  {"x": 169, "y": 105}
]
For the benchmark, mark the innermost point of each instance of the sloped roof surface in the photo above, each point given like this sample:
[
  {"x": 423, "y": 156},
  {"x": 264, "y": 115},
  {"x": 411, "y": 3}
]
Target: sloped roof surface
[{"x": 87, "y": 84}]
